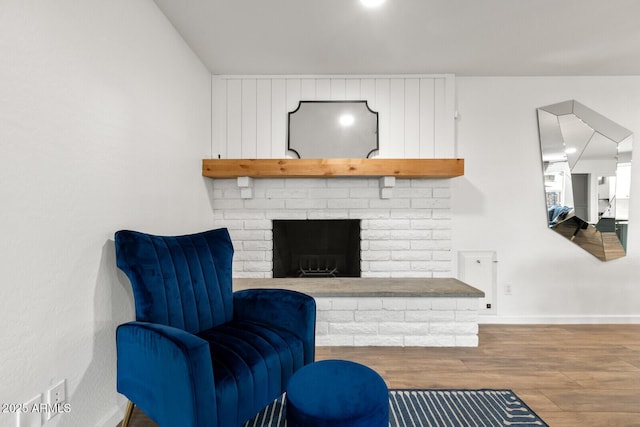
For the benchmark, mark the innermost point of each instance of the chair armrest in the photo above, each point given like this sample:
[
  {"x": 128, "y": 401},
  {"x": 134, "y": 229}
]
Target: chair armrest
[
  {"x": 167, "y": 372},
  {"x": 290, "y": 310}
]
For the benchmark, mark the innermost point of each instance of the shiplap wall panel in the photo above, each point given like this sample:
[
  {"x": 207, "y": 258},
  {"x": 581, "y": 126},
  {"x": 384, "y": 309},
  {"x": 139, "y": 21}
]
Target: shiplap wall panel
[
  {"x": 308, "y": 90},
  {"x": 411, "y": 118},
  {"x": 338, "y": 89},
  {"x": 323, "y": 89},
  {"x": 439, "y": 104},
  {"x": 449, "y": 122},
  {"x": 427, "y": 121},
  {"x": 234, "y": 118},
  {"x": 263, "y": 118},
  {"x": 396, "y": 146},
  {"x": 219, "y": 119},
  {"x": 278, "y": 118},
  {"x": 445, "y": 128},
  {"x": 249, "y": 118},
  {"x": 415, "y": 113},
  {"x": 382, "y": 107},
  {"x": 368, "y": 92},
  {"x": 352, "y": 89},
  {"x": 294, "y": 89}
]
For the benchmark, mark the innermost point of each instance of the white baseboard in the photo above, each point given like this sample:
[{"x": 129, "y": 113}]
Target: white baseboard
[{"x": 560, "y": 319}]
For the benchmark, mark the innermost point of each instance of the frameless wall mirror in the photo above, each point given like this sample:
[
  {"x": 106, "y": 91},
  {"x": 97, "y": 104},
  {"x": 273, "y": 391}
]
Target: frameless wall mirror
[
  {"x": 333, "y": 129},
  {"x": 586, "y": 162}
]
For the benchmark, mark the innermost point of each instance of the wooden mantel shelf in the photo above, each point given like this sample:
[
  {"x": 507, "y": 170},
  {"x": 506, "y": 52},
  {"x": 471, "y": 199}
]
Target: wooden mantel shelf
[{"x": 330, "y": 168}]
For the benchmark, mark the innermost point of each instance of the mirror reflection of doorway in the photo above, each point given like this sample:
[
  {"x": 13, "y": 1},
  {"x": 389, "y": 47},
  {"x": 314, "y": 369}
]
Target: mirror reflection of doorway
[{"x": 580, "y": 183}]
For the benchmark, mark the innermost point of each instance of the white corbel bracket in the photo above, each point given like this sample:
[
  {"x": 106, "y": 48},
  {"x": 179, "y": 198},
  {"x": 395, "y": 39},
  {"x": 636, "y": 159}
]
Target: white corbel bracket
[
  {"x": 386, "y": 186},
  {"x": 245, "y": 183}
]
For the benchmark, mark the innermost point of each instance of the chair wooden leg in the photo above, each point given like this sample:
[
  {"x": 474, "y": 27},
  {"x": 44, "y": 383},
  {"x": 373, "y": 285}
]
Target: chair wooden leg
[{"x": 127, "y": 414}]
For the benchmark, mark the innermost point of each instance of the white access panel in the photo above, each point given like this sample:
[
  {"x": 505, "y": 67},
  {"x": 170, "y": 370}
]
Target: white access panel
[{"x": 479, "y": 269}]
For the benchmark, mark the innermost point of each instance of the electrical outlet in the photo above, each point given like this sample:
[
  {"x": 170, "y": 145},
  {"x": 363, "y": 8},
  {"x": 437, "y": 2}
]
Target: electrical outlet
[
  {"x": 56, "y": 396},
  {"x": 28, "y": 417}
]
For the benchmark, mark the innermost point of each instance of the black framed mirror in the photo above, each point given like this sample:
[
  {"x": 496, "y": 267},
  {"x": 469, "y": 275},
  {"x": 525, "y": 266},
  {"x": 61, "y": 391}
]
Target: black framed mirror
[
  {"x": 586, "y": 161},
  {"x": 332, "y": 129}
]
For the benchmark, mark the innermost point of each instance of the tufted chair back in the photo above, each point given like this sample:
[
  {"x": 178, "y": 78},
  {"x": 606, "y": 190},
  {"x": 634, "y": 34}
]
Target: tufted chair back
[{"x": 180, "y": 281}]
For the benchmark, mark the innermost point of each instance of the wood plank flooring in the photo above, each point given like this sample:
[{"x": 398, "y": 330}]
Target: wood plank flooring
[{"x": 570, "y": 375}]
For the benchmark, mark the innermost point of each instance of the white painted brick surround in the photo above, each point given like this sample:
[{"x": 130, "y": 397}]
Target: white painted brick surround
[
  {"x": 405, "y": 223},
  {"x": 405, "y": 232},
  {"x": 397, "y": 321}
]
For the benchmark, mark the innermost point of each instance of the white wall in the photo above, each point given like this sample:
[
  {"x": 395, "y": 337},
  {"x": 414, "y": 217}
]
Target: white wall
[
  {"x": 415, "y": 112},
  {"x": 499, "y": 203},
  {"x": 105, "y": 115}
]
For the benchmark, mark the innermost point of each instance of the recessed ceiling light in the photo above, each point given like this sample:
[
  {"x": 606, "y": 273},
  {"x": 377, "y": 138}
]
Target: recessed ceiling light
[
  {"x": 372, "y": 3},
  {"x": 571, "y": 150}
]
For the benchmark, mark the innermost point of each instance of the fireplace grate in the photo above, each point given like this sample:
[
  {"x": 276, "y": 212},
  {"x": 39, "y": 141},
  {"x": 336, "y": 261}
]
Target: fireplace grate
[{"x": 325, "y": 265}]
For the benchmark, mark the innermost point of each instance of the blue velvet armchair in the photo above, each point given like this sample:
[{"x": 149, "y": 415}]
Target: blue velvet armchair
[{"x": 198, "y": 353}]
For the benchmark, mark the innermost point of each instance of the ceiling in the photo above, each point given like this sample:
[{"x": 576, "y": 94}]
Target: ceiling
[{"x": 463, "y": 37}]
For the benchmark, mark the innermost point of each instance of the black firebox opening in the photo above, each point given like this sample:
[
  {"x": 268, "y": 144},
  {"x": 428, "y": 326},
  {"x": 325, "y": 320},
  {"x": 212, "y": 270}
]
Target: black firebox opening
[{"x": 316, "y": 248}]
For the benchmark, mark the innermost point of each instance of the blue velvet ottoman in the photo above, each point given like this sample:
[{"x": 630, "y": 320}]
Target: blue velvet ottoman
[{"x": 337, "y": 393}]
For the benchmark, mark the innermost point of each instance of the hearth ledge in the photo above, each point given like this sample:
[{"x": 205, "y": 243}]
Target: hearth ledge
[{"x": 366, "y": 287}]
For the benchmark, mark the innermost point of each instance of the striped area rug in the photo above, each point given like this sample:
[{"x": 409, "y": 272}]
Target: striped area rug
[
  {"x": 459, "y": 408},
  {"x": 437, "y": 408}
]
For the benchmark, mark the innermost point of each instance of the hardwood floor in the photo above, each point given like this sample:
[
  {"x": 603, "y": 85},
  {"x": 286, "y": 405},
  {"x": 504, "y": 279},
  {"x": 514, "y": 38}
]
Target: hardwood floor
[{"x": 570, "y": 375}]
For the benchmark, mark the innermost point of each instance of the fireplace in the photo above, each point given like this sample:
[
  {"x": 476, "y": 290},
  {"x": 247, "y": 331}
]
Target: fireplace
[{"x": 316, "y": 248}]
